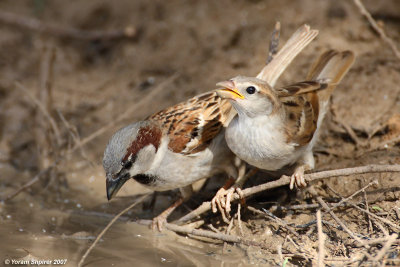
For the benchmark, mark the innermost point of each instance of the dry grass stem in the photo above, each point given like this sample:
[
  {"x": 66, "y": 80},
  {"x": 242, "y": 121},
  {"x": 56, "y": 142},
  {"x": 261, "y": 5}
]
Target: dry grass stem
[
  {"x": 326, "y": 208},
  {"x": 108, "y": 227},
  {"x": 321, "y": 241},
  {"x": 378, "y": 29},
  {"x": 285, "y": 180}
]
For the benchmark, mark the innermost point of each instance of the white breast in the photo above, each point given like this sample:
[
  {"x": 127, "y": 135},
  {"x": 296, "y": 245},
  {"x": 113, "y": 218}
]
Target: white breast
[
  {"x": 261, "y": 142},
  {"x": 176, "y": 170}
]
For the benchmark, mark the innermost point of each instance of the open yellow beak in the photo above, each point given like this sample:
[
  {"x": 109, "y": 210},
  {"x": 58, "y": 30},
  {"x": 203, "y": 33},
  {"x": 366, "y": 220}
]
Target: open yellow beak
[{"x": 229, "y": 90}]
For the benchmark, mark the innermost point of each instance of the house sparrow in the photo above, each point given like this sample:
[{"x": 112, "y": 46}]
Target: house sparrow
[
  {"x": 279, "y": 127},
  {"x": 275, "y": 66},
  {"x": 172, "y": 149}
]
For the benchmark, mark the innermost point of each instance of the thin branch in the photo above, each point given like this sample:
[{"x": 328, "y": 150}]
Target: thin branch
[
  {"x": 108, "y": 226},
  {"x": 33, "y": 181},
  {"x": 42, "y": 108},
  {"x": 343, "y": 200},
  {"x": 285, "y": 180},
  {"x": 376, "y": 216},
  {"x": 378, "y": 29},
  {"x": 321, "y": 240},
  {"x": 326, "y": 208},
  {"x": 209, "y": 234},
  {"x": 279, "y": 221},
  {"x": 391, "y": 239},
  {"x": 64, "y": 31}
]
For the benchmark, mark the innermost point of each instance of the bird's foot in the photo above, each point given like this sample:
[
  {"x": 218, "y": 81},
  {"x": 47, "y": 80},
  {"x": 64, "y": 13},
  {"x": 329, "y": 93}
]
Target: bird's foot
[
  {"x": 158, "y": 222},
  {"x": 161, "y": 220},
  {"x": 222, "y": 201},
  {"x": 298, "y": 178}
]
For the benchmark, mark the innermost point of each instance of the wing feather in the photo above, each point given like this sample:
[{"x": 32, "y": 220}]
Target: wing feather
[{"x": 194, "y": 123}]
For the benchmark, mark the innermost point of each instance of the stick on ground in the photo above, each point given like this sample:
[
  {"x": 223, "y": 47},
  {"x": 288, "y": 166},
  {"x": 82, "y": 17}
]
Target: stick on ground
[
  {"x": 209, "y": 234},
  {"x": 321, "y": 240},
  {"x": 108, "y": 226},
  {"x": 285, "y": 180},
  {"x": 378, "y": 29}
]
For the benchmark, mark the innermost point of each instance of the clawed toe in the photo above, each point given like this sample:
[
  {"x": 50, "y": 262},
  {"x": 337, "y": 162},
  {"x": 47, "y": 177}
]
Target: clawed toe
[
  {"x": 222, "y": 201},
  {"x": 298, "y": 179},
  {"x": 158, "y": 223}
]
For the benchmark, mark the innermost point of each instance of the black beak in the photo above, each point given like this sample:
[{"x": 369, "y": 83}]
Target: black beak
[{"x": 114, "y": 185}]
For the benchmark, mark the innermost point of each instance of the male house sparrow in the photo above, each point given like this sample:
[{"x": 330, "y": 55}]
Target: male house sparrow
[
  {"x": 184, "y": 143},
  {"x": 278, "y": 127},
  {"x": 172, "y": 148}
]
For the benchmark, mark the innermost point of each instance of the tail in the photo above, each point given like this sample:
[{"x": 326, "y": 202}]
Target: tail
[
  {"x": 299, "y": 40},
  {"x": 330, "y": 68}
]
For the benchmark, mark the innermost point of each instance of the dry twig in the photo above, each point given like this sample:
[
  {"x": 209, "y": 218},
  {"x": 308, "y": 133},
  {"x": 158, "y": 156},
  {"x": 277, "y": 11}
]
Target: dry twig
[
  {"x": 391, "y": 239},
  {"x": 209, "y": 234},
  {"x": 343, "y": 200},
  {"x": 107, "y": 227},
  {"x": 326, "y": 208},
  {"x": 376, "y": 216},
  {"x": 378, "y": 29},
  {"x": 321, "y": 241},
  {"x": 285, "y": 180},
  {"x": 279, "y": 221},
  {"x": 42, "y": 108}
]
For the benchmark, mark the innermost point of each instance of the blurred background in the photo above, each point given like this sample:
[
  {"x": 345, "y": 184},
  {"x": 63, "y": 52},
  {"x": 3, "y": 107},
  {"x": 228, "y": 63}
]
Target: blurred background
[{"x": 73, "y": 72}]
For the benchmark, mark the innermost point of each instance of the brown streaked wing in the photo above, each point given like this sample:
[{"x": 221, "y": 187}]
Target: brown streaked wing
[
  {"x": 300, "y": 88},
  {"x": 191, "y": 125},
  {"x": 301, "y": 105}
]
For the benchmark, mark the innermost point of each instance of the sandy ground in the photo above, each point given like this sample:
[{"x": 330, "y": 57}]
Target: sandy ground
[{"x": 184, "y": 48}]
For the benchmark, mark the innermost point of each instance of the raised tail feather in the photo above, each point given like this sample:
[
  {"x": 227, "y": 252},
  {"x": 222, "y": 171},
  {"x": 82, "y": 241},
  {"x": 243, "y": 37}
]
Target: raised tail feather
[
  {"x": 330, "y": 68},
  {"x": 297, "y": 42}
]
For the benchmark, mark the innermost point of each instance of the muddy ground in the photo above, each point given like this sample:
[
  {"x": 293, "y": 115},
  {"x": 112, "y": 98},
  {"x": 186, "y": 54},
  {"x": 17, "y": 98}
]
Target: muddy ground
[{"x": 182, "y": 48}]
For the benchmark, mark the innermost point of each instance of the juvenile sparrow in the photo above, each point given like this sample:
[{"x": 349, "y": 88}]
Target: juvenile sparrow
[
  {"x": 278, "y": 127},
  {"x": 276, "y": 65}
]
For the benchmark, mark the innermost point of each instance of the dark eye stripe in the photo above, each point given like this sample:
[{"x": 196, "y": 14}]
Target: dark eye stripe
[{"x": 128, "y": 164}]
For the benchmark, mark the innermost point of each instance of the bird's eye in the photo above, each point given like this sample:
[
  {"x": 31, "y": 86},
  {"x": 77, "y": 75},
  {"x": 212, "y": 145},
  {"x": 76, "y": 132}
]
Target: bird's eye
[
  {"x": 251, "y": 90},
  {"x": 127, "y": 165}
]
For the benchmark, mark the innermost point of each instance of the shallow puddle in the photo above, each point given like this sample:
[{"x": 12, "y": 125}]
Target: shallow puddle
[{"x": 66, "y": 235}]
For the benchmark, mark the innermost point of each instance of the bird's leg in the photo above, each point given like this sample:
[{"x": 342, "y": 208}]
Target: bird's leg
[
  {"x": 161, "y": 219},
  {"x": 222, "y": 200},
  {"x": 298, "y": 176},
  {"x": 218, "y": 200}
]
